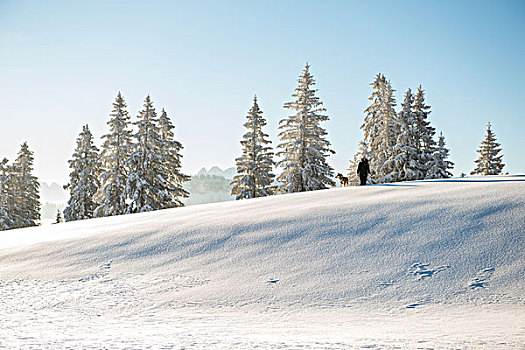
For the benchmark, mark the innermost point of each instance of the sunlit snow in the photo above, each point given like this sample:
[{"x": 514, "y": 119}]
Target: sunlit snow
[{"x": 425, "y": 264}]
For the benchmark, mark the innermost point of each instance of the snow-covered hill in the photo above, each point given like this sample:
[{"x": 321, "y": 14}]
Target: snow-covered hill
[{"x": 430, "y": 264}]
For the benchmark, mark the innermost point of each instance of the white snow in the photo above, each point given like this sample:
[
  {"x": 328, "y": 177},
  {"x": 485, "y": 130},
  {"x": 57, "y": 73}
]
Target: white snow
[{"x": 425, "y": 264}]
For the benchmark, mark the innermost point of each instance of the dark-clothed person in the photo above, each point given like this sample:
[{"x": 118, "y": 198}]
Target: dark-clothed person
[{"x": 362, "y": 170}]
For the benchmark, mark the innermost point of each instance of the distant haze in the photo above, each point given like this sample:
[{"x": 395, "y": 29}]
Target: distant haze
[
  {"x": 215, "y": 170},
  {"x": 53, "y": 195}
]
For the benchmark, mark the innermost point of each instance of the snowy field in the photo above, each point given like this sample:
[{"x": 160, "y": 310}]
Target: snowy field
[{"x": 436, "y": 264}]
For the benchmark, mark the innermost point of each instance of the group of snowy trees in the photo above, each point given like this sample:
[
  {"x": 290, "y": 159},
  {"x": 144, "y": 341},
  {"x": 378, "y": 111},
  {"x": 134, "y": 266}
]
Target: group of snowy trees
[
  {"x": 303, "y": 148},
  {"x": 19, "y": 192},
  {"x": 134, "y": 172},
  {"x": 400, "y": 146},
  {"x": 140, "y": 171}
]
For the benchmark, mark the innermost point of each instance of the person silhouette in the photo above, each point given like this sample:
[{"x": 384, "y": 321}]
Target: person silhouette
[{"x": 362, "y": 170}]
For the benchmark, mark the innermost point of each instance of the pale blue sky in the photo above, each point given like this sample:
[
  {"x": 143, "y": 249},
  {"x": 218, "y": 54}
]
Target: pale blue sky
[{"x": 63, "y": 62}]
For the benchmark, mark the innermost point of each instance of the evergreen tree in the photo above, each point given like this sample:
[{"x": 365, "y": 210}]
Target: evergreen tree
[
  {"x": 304, "y": 148},
  {"x": 439, "y": 165},
  {"x": 4, "y": 214},
  {"x": 147, "y": 180},
  {"x": 389, "y": 134},
  {"x": 116, "y": 151},
  {"x": 254, "y": 167},
  {"x": 171, "y": 156},
  {"x": 7, "y": 218},
  {"x": 424, "y": 131},
  {"x": 25, "y": 189},
  {"x": 380, "y": 129},
  {"x": 489, "y": 162},
  {"x": 59, "y": 217},
  {"x": 407, "y": 164},
  {"x": 83, "y": 180}
]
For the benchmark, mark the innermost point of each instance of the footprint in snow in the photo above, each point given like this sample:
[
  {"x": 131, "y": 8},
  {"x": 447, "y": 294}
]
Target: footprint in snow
[
  {"x": 417, "y": 303},
  {"x": 386, "y": 284},
  {"x": 480, "y": 280},
  {"x": 422, "y": 271},
  {"x": 103, "y": 270}
]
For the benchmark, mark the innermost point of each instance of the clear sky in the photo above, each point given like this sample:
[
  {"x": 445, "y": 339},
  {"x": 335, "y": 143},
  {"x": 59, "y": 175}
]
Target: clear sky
[{"x": 63, "y": 62}]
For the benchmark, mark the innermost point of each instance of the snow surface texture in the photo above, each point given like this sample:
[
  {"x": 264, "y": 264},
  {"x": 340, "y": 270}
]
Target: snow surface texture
[{"x": 426, "y": 264}]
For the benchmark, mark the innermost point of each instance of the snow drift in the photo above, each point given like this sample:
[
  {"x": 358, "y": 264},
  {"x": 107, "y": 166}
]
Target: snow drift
[{"x": 403, "y": 250}]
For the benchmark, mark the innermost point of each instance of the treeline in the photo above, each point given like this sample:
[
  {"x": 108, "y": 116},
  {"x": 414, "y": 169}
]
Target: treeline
[
  {"x": 400, "y": 145},
  {"x": 133, "y": 172},
  {"x": 140, "y": 170}
]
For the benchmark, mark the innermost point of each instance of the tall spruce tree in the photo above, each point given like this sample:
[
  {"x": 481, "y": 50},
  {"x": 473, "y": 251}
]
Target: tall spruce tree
[
  {"x": 424, "y": 131},
  {"x": 390, "y": 133},
  {"x": 11, "y": 197},
  {"x": 489, "y": 161},
  {"x": 26, "y": 188},
  {"x": 147, "y": 180},
  {"x": 83, "y": 180},
  {"x": 254, "y": 167},
  {"x": 304, "y": 147},
  {"x": 171, "y": 156},
  {"x": 407, "y": 164},
  {"x": 115, "y": 153},
  {"x": 439, "y": 165},
  {"x": 380, "y": 128},
  {"x": 7, "y": 218}
]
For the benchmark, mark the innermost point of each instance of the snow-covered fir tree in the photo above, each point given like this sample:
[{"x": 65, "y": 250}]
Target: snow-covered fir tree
[
  {"x": 254, "y": 167},
  {"x": 424, "y": 131},
  {"x": 115, "y": 153},
  {"x": 380, "y": 128},
  {"x": 171, "y": 161},
  {"x": 83, "y": 179},
  {"x": 489, "y": 161},
  {"x": 27, "y": 187},
  {"x": 406, "y": 159},
  {"x": 7, "y": 200},
  {"x": 19, "y": 192},
  {"x": 304, "y": 147},
  {"x": 147, "y": 180},
  {"x": 354, "y": 163},
  {"x": 390, "y": 133},
  {"x": 58, "y": 218},
  {"x": 439, "y": 165}
]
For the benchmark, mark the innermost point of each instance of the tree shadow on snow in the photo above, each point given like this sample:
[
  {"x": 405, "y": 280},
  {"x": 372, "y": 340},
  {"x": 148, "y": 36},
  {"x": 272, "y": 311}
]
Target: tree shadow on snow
[
  {"x": 482, "y": 180},
  {"x": 512, "y": 178}
]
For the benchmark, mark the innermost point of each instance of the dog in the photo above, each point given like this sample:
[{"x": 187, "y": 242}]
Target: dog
[{"x": 343, "y": 180}]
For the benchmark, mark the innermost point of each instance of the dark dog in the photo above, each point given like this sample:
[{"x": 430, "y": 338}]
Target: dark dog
[{"x": 343, "y": 180}]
